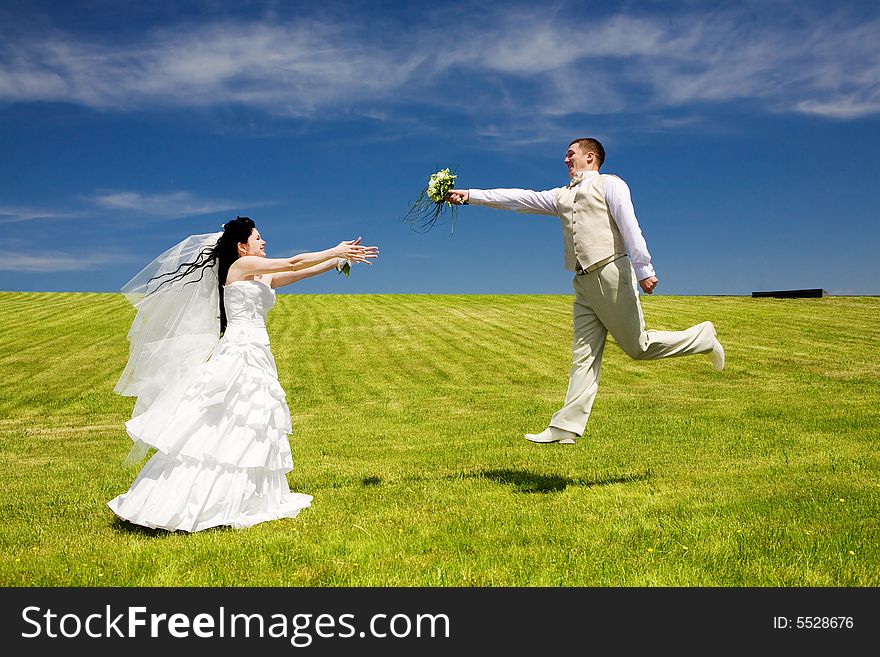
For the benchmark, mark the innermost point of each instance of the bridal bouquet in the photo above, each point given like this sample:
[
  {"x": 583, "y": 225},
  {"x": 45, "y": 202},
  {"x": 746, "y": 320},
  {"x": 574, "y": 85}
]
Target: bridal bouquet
[{"x": 432, "y": 203}]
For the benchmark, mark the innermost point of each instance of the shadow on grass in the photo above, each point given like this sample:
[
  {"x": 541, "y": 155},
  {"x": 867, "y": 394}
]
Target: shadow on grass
[
  {"x": 125, "y": 527},
  {"x": 531, "y": 482}
]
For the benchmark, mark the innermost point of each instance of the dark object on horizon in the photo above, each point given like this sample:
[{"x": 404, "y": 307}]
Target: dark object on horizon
[{"x": 793, "y": 294}]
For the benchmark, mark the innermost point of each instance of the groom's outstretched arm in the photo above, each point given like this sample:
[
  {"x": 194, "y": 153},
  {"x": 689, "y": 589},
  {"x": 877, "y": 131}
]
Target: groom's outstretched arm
[{"x": 517, "y": 200}]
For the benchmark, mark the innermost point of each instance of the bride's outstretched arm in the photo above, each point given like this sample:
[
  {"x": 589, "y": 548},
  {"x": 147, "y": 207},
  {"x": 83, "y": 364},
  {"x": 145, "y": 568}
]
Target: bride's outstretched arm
[
  {"x": 350, "y": 250},
  {"x": 288, "y": 277}
]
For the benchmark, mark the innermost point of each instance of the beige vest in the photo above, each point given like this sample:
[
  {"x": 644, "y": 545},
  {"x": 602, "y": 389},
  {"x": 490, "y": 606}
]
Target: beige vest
[{"x": 589, "y": 232}]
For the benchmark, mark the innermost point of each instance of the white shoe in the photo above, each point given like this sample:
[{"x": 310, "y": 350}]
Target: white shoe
[
  {"x": 553, "y": 435},
  {"x": 717, "y": 356}
]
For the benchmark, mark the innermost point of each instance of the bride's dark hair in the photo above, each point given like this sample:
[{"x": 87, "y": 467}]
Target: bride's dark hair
[{"x": 224, "y": 253}]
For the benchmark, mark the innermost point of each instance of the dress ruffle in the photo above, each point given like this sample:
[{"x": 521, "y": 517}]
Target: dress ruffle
[
  {"x": 191, "y": 496},
  {"x": 234, "y": 414},
  {"x": 222, "y": 450}
]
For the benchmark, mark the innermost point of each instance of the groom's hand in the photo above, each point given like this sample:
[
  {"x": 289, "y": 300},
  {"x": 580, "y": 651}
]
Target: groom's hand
[
  {"x": 457, "y": 196},
  {"x": 648, "y": 284}
]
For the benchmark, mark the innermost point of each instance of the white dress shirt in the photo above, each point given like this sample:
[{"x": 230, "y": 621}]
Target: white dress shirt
[{"x": 617, "y": 197}]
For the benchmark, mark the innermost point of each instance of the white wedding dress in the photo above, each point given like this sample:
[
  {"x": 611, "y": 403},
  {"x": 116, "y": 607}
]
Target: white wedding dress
[{"x": 222, "y": 446}]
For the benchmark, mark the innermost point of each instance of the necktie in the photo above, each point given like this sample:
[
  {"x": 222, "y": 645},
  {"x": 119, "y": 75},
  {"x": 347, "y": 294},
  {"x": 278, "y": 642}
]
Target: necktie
[{"x": 575, "y": 179}]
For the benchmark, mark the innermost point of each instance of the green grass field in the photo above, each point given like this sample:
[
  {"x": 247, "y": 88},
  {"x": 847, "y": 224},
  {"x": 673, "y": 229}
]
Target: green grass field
[{"x": 408, "y": 420}]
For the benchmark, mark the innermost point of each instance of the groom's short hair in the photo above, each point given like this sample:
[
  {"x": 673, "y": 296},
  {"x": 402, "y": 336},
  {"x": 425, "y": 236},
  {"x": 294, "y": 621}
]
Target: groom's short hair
[{"x": 588, "y": 145}]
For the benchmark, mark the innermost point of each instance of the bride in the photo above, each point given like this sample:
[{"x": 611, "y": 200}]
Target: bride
[{"x": 211, "y": 406}]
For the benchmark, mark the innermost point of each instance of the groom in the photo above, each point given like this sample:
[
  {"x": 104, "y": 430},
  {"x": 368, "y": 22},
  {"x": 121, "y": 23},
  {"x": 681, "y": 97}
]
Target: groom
[{"x": 599, "y": 229}]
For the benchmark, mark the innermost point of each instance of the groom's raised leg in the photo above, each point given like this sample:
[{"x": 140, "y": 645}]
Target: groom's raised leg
[{"x": 624, "y": 319}]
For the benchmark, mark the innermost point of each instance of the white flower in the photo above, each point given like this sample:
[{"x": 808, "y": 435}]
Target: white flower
[
  {"x": 433, "y": 202},
  {"x": 439, "y": 185}
]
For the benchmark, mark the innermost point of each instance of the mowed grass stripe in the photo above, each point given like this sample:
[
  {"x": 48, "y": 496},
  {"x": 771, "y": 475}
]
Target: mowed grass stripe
[{"x": 408, "y": 417}]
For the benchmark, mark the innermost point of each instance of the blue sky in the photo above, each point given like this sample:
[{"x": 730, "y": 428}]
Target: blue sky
[{"x": 747, "y": 131}]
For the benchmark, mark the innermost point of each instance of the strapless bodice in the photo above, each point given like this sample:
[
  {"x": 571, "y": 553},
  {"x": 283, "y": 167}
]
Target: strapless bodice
[{"x": 247, "y": 303}]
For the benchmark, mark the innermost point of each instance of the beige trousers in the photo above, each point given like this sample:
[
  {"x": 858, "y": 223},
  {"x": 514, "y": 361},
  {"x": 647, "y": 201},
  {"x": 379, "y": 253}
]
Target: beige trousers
[{"x": 608, "y": 300}]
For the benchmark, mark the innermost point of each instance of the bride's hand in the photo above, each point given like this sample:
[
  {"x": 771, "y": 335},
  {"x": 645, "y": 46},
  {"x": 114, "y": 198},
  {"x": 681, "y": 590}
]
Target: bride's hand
[{"x": 352, "y": 251}]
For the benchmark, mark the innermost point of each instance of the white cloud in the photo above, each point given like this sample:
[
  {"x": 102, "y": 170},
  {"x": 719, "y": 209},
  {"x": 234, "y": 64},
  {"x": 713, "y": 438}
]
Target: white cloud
[
  {"x": 171, "y": 205},
  {"x": 9, "y": 215},
  {"x": 826, "y": 64},
  {"x": 291, "y": 69},
  {"x": 514, "y": 63},
  {"x": 842, "y": 108},
  {"x": 166, "y": 206},
  {"x": 54, "y": 261}
]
